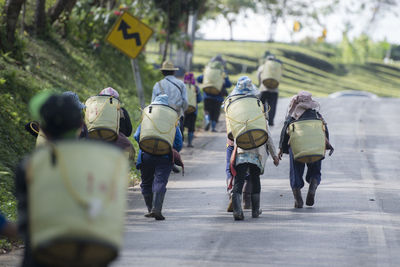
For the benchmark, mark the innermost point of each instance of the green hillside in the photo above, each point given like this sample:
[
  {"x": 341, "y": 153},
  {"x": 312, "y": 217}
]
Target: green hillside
[
  {"x": 60, "y": 66},
  {"x": 316, "y": 69}
]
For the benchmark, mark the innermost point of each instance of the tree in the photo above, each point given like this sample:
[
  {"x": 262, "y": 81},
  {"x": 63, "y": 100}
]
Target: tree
[
  {"x": 230, "y": 9},
  {"x": 302, "y": 10},
  {"x": 12, "y": 10},
  {"x": 55, "y": 11},
  {"x": 40, "y": 17},
  {"x": 174, "y": 13}
]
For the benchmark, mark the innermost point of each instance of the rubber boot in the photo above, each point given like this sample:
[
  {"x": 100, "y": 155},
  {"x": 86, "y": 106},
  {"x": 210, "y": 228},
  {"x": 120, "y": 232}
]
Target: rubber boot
[
  {"x": 246, "y": 200},
  {"x": 158, "y": 203},
  {"x": 237, "y": 207},
  {"x": 148, "y": 199},
  {"x": 230, "y": 205},
  {"x": 255, "y": 205},
  {"x": 207, "y": 122},
  {"x": 175, "y": 169},
  {"x": 298, "y": 200},
  {"x": 213, "y": 125},
  {"x": 247, "y": 188},
  {"x": 190, "y": 139},
  {"x": 311, "y": 192}
]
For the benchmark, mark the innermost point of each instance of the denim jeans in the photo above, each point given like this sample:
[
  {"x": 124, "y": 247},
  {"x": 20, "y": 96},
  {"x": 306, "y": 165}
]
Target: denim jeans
[
  {"x": 297, "y": 171},
  {"x": 155, "y": 171},
  {"x": 250, "y": 171}
]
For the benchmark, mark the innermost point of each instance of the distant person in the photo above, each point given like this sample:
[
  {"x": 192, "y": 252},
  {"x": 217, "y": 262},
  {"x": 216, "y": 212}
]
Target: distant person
[
  {"x": 248, "y": 164},
  {"x": 268, "y": 94},
  {"x": 212, "y": 102},
  {"x": 49, "y": 181},
  {"x": 155, "y": 170},
  {"x": 303, "y": 108},
  {"x": 33, "y": 127},
  {"x": 219, "y": 58},
  {"x": 125, "y": 124},
  {"x": 174, "y": 88},
  {"x": 190, "y": 118},
  {"x": 7, "y": 228}
]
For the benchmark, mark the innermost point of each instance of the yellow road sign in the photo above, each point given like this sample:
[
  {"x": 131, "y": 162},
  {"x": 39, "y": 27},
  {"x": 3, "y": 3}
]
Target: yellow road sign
[{"x": 129, "y": 35}]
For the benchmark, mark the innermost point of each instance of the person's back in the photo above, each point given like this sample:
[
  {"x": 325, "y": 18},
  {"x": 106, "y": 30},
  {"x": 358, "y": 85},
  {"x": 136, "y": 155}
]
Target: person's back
[
  {"x": 173, "y": 87},
  {"x": 76, "y": 178}
]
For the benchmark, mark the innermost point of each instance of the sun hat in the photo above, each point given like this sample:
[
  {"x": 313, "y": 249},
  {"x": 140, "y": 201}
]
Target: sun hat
[
  {"x": 167, "y": 65},
  {"x": 110, "y": 91},
  {"x": 244, "y": 86},
  {"x": 75, "y": 98}
]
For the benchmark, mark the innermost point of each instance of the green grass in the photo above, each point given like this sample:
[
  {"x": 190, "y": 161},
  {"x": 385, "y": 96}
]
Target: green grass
[{"x": 315, "y": 68}]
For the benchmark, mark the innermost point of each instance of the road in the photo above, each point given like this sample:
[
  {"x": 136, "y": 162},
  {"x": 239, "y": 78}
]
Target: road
[{"x": 355, "y": 221}]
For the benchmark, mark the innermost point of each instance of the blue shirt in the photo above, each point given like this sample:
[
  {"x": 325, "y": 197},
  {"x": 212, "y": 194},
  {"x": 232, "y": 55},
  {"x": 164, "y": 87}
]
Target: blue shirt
[
  {"x": 178, "y": 143},
  {"x": 3, "y": 222},
  {"x": 220, "y": 97}
]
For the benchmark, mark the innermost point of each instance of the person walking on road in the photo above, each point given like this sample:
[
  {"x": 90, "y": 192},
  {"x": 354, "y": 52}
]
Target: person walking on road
[
  {"x": 174, "y": 88},
  {"x": 212, "y": 103},
  {"x": 125, "y": 126},
  {"x": 61, "y": 121},
  {"x": 190, "y": 118},
  {"x": 302, "y": 107},
  {"x": 155, "y": 170},
  {"x": 248, "y": 163},
  {"x": 268, "y": 95}
]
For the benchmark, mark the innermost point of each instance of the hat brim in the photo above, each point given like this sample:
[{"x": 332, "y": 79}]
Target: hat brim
[{"x": 169, "y": 68}]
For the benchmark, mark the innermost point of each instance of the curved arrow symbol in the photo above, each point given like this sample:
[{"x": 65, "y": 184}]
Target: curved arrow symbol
[{"x": 123, "y": 26}]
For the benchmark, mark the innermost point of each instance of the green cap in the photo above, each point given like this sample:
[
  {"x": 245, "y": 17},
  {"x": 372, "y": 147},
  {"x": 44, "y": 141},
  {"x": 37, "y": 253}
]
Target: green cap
[{"x": 36, "y": 103}]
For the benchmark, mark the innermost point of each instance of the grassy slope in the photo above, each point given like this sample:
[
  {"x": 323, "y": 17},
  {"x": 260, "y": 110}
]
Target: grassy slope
[
  {"x": 314, "y": 69},
  {"x": 58, "y": 65}
]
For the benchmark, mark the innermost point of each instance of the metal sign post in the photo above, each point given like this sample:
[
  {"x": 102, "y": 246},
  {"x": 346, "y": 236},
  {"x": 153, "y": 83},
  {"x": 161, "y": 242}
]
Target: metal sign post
[{"x": 138, "y": 81}]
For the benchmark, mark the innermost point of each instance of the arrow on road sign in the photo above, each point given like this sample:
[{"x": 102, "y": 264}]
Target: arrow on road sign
[{"x": 123, "y": 26}]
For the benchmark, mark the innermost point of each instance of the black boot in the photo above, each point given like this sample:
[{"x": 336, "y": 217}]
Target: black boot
[
  {"x": 158, "y": 203},
  {"x": 230, "y": 206},
  {"x": 246, "y": 200},
  {"x": 237, "y": 207},
  {"x": 298, "y": 200},
  {"x": 148, "y": 199},
  {"x": 255, "y": 205},
  {"x": 311, "y": 192}
]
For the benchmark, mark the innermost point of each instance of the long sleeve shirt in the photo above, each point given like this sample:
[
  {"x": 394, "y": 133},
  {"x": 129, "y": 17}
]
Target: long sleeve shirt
[
  {"x": 309, "y": 114},
  {"x": 176, "y": 91}
]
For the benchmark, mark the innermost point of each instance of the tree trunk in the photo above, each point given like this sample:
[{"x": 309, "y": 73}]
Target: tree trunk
[
  {"x": 191, "y": 33},
  {"x": 272, "y": 29},
  {"x": 55, "y": 11},
  {"x": 12, "y": 10},
  {"x": 40, "y": 17},
  {"x": 230, "y": 22},
  {"x": 168, "y": 34}
]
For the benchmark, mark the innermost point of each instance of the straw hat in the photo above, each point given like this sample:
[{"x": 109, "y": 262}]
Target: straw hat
[{"x": 167, "y": 65}]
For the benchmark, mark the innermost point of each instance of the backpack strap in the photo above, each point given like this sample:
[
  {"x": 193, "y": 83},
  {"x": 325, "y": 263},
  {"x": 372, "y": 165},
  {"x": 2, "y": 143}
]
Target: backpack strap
[
  {"x": 161, "y": 88},
  {"x": 180, "y": 90}
]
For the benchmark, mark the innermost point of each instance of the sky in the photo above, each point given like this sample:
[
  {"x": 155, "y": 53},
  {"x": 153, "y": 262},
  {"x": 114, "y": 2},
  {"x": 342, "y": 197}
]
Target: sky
[{"x": 250, "y": 26}]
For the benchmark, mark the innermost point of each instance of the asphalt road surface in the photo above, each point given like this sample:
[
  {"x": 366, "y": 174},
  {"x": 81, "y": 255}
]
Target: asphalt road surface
[{"x": 354, "y": 222}]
